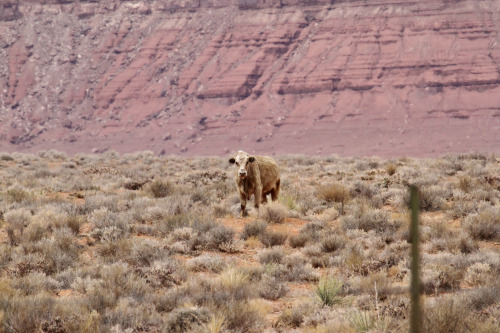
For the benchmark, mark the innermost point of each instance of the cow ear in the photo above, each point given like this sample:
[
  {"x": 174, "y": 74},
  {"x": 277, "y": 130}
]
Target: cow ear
[
  {"x": 232, "y": 160},
  {"x": 251, "y": 159}
]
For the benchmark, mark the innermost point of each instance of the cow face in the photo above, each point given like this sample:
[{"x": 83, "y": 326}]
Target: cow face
[{"x": 242, "y": 160}]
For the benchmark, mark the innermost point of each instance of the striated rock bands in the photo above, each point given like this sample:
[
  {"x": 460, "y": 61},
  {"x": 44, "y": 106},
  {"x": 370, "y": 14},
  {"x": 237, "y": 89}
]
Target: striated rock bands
[{"x": 381, "y": 77}]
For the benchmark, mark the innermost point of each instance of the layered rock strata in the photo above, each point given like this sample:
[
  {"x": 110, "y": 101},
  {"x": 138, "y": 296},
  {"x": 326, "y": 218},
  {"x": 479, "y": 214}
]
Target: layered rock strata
[{"x": 354, "y": 78}]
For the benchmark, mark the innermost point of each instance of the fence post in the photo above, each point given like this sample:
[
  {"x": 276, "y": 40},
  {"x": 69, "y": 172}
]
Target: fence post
[{"x": 415, "y": 315}]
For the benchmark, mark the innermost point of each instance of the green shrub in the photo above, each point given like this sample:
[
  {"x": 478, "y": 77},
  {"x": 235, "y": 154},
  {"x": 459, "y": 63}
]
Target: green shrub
[{"x": 328, "y": 290}]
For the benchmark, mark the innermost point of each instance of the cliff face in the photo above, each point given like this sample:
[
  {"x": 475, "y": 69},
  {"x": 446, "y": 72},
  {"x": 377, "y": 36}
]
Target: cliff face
[{"x": 381, "y": 77}]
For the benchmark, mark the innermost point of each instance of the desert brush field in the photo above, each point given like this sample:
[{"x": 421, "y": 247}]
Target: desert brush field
[{"x": 141, "y": 243}]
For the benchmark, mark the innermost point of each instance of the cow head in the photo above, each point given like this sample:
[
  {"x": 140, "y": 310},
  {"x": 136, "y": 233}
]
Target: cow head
[{"x": 242, "y": 160}]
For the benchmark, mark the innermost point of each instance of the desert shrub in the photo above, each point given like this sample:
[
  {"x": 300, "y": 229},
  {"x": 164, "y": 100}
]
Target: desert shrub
[
  {"x": 464, "y": 244},
  {"x": 391, "y": 168},
  {"x": 100, "y": 201},
  {"x": 74, "y": 222},
  {"x": 233, "y": 278},
  {"x": 103, "y": 218},
  {"x": 52, "y": 216},
  {"x": 362, "y": 321},
  {"x": 368, "y": 219},
  {"x": 294, "y": 268},
  {"x": 272, "y": 289},
  {"x": 294, "y": 317},
  {"x": 334, "y": 193},
  {"x": 328, "y": 290},
  {"x": 253, "y": 229},
  {"x": 53, "y": 154},
  {"x": 18, "y": 194},
  {"x": 483, "y": 297},
  {"x": 441, "y": 278},
  {"x": 25, "y": 264},
  {"x": 478, "y": 274},
  {"x": 272, "y": 238},
  {"x": 485, "y": 225},
  {"x": 465, "y": 183},
  {"x": 5, "y": 255},
  {"x": 172, "y": 222},
  {"x": 353, "y": 257},
  {"x": 207, "y": 262},
  {"x": 274, "y": 212},
  {"x": 461, "y": 206},
  {"x": 217, "y": 237},
  {"x": 299, "y": 240},
  {"x": 433, "y": 197},
  {"x": 35, "y": 283},
  {"x": 6, "y": 157},
  {"x": 243, "y": 317},
  {"x": 220, "y": 211},
  {"x": 169, "y": 301},
  {"x": 185, "y": 319},
  {"x": 17, "y": 220},
  {"x": 143, "y": 252},
  {"x": 113, "y": 248},
  {"x": 331, "y": 243},
  {"x": 271, "y": 256},
  {"x": 116, "y": 282},
  {"x": 159, "y": 188},
  {"x": 376, "y": 284},
  {"x": 445, "y": 316},
  {"x": 131, "y": 315},
  {"x": 165, "y": 273},
  {"x": 232, "y": 285},
  {"x": 361, "y": 189},
  {"x": 25, "y": 313},
  {"x": 314, "y": 230}
]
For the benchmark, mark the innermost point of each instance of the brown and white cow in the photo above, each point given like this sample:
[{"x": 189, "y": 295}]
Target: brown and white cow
[{"x": 257, "y": 175}]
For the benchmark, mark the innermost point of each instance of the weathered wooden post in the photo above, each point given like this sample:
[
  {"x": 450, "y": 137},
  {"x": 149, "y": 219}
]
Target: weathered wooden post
[{"x": 415, "y": 315}]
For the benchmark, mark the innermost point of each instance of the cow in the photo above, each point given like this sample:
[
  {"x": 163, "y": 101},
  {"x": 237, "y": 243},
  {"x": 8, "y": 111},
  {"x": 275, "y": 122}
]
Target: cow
[{"x": 257, "y": 175}]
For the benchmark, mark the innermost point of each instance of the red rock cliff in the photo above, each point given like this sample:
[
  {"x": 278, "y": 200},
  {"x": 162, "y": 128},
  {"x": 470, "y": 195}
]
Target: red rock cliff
[{"x": 380, "y": 77}]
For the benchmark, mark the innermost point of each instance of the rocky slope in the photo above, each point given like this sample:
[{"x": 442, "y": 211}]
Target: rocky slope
[{"x": 380, "y": 77}]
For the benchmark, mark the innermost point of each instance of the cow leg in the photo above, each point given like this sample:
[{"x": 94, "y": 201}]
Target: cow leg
[
  {"x": 275, "y": 192},
  {"x": 243, "y": 201},
  {"x": 264, "y": 198},
  {"x": 258, "y": 196}
]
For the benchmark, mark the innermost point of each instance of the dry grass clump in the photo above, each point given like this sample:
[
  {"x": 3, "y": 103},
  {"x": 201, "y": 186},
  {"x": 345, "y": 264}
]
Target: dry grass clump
[
  {"x": 334, "y": 193},
  {"x": 391, "y": 168},
  {"x": 137, "y": 242}
]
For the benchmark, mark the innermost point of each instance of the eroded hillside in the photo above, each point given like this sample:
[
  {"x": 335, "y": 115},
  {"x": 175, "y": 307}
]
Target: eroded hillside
[{"x": 386, "y": 78}]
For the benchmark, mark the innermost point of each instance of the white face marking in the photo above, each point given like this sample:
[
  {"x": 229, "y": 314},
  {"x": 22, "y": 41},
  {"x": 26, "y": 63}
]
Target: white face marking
[{"x": 242, "y": 161}]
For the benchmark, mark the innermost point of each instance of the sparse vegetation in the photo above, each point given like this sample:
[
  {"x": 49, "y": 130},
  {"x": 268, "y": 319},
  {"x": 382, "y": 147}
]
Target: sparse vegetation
[{"x": 135, "y": 242}]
